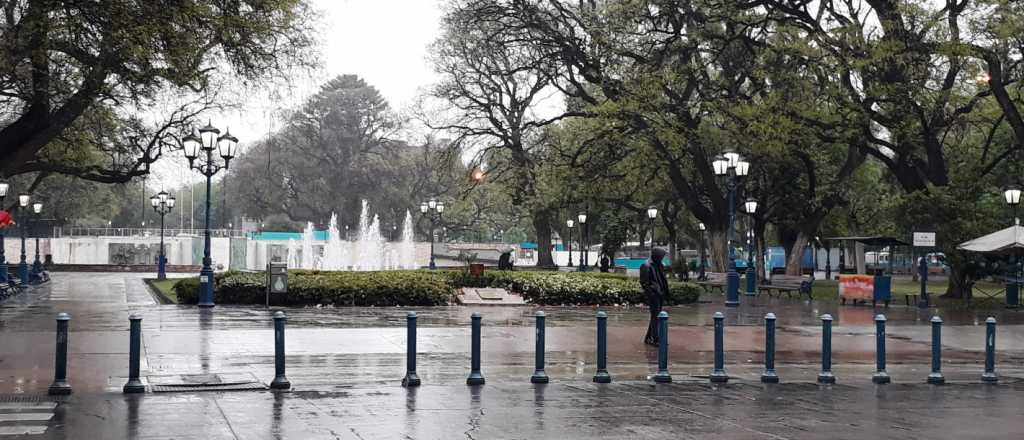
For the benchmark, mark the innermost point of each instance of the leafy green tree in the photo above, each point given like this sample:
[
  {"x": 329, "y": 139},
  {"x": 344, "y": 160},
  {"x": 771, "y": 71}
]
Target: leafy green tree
[{"x": 74, "y": 74}]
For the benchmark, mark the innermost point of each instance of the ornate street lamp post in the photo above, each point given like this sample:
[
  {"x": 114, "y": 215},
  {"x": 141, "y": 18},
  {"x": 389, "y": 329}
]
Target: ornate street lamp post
[
  {"x": 23, "y": 200},
  {"x": 4, "y": 187},
  {"x": 37, "y": 266},
  {"x": 584, "y": 241},
  {"x": 1012, "y": 196},
  {"x": 704, "y": 262},
  {"x": 162, "y": 204},
  {"x": 731, "y": 166},
  {"x": 750, "y": 206},
  {"x": 201, "y": 147},
  {"x": 568, "y": 242},
  {"x": 652, "y": 213},
  {"x": 434, "y": 209}
]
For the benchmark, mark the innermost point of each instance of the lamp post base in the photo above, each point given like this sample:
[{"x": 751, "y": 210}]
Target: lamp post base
[
  {"x": 23, "y": 273},
  {"x": 161, "y": 271},
  {"x": 732, "y": 288},
  {"x": 206, "y": 281}
]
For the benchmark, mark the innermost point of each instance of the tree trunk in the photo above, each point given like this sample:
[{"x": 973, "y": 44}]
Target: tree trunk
[
  {"x": 795, "y": 257},
  {"x": 673, "y": 236},
  {"x": 960, "y": 284},
  {"x": 542, "y": 226},
  {"x": 762, "y": 267},
  {"x": 718, "y": 250}
]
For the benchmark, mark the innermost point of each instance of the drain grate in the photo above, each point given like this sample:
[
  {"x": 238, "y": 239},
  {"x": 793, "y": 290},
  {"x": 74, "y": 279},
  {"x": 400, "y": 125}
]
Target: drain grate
[
  {"x": 27, "y": 398},
  {"x": 187, "y": 388},
  {"x": 204, "y": 382}
]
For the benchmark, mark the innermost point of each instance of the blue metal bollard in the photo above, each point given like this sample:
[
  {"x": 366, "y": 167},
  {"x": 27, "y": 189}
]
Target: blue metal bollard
[
  {"x": 410, "y": 379},
  {"x": 60, "y": 385},
  {"x": 769, "y": 375},
  {"x": 718, "y": 375},
  {"x": 539, "y": 376},
  {"x": 935, "y": 378},
  {"x": 475, "y": 377},
  {"x": 662, "y": 376},
  {"x": 134, "y": 385},
  {"x": 280, "y": 381},
  {"x": 602, "y": 375},
  {"x": 826, "y": 376},
  {"x": 880, "y": 376},
  {"x": 990, "y": 352}
]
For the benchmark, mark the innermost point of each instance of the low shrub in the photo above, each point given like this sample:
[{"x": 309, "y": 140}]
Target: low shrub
[
  {"x": 429, "y": 288},
  {"x": 411, "y": 288},
  {"x": 579, "y": 288}
]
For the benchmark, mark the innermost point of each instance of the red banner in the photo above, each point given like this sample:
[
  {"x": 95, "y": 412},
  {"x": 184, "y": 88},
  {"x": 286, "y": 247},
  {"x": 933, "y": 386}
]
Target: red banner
[{"x": 857, "y": 286}]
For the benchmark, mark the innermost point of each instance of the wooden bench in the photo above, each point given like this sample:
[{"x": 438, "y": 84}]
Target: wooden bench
[
  {"x": 16, "y": 284},
  {"x": 789, "y": 284},
  {"x": 713, "y": 280},
  {"x": 6, "y": 289}
]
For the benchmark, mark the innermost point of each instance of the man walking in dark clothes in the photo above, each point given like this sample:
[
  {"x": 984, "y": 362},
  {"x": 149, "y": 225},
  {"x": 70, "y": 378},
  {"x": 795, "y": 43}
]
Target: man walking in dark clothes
[{"x": 655, "y": 285}]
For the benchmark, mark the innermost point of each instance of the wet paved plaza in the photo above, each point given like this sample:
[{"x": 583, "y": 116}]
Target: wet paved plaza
[{"x": 345, "y": 365}]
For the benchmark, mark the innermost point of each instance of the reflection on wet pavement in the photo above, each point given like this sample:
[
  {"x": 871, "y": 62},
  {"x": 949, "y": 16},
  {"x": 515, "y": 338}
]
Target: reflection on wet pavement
[
  {"x": 629, "y": 410},
  {"x": 348, "y": 345}
]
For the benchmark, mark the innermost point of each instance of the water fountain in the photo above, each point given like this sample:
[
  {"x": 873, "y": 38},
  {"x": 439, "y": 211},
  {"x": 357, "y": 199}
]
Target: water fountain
[{"x": 369, "y": 251}]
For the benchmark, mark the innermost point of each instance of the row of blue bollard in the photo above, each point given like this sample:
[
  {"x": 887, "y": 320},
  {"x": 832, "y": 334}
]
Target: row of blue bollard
[
  {"x": 718, "y": 372},
  {"x": 61, "y": 385}
]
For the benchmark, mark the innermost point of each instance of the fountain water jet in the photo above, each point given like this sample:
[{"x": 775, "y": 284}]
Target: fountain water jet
[{"x": 370, "y": 250}]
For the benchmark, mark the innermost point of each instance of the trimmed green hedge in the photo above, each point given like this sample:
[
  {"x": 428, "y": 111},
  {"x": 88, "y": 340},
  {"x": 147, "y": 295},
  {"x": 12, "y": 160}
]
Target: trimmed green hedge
[
  {"x": 429, "y": 288},
  {"x": 395, "y": 288},
  {"x": 558, "y": 288}
]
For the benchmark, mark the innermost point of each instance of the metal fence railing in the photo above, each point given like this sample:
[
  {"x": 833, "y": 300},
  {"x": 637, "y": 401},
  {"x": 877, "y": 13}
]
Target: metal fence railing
[{"x": 142, "y": 232}]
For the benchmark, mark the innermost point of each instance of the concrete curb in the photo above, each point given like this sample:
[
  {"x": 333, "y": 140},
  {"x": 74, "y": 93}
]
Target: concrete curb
[{"x": 157, "y": 294}]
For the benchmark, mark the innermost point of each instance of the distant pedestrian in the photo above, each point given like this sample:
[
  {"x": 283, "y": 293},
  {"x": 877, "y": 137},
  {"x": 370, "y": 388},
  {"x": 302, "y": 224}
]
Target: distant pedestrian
[
  {"x": 605, "y": 262},
  {"x": 655, "y": 285}
]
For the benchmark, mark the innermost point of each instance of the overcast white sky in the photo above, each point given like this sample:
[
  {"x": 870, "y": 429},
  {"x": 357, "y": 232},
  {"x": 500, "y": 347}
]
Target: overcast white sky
[{"x": 382, "y": 41}]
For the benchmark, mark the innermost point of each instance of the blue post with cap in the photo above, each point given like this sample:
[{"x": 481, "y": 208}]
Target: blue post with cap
[
  {"x": 280, "y": 381},
  {"x": 539, "y": 376},
  {"x": 602, "y": 376},
  {"x": 410, "y": 379},
  {"x": 718, "y": 375},
  {"x": 475, "y": 376},
  {"x": 134, "y": 385},
  {"x": 990, "y": 352},
  {"x": 769, "y": 375},
  {"x": 662, "y": 376},
  {"x": 935, "y": 377},
  {"x": 880, "y": 376},
  {"x": 826, "y": 376},
  {"x": 60, "y": 385}
]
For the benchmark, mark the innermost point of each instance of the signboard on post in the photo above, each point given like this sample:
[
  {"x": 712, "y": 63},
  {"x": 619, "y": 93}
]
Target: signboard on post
[
  {"x": 924, "y": 239},
  {"x": 277, "y": 279}
]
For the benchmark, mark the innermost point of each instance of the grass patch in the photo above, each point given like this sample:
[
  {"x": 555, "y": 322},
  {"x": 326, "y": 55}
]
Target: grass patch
[
  {"x": 166, "y": 288},
  {"x": 828, "y": 290}
]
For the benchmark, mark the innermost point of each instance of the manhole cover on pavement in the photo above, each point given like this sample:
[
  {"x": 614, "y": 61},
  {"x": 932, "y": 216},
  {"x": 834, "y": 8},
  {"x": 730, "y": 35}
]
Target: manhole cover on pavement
[{"x": 204, "y": 382}]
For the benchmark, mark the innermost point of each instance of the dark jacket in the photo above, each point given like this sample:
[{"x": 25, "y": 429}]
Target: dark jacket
[{"x": 653, "y": 280}]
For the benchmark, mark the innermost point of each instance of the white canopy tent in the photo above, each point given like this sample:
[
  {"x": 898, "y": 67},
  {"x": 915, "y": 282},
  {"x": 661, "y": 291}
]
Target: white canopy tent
[{"x": 1006, "y": 241}]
